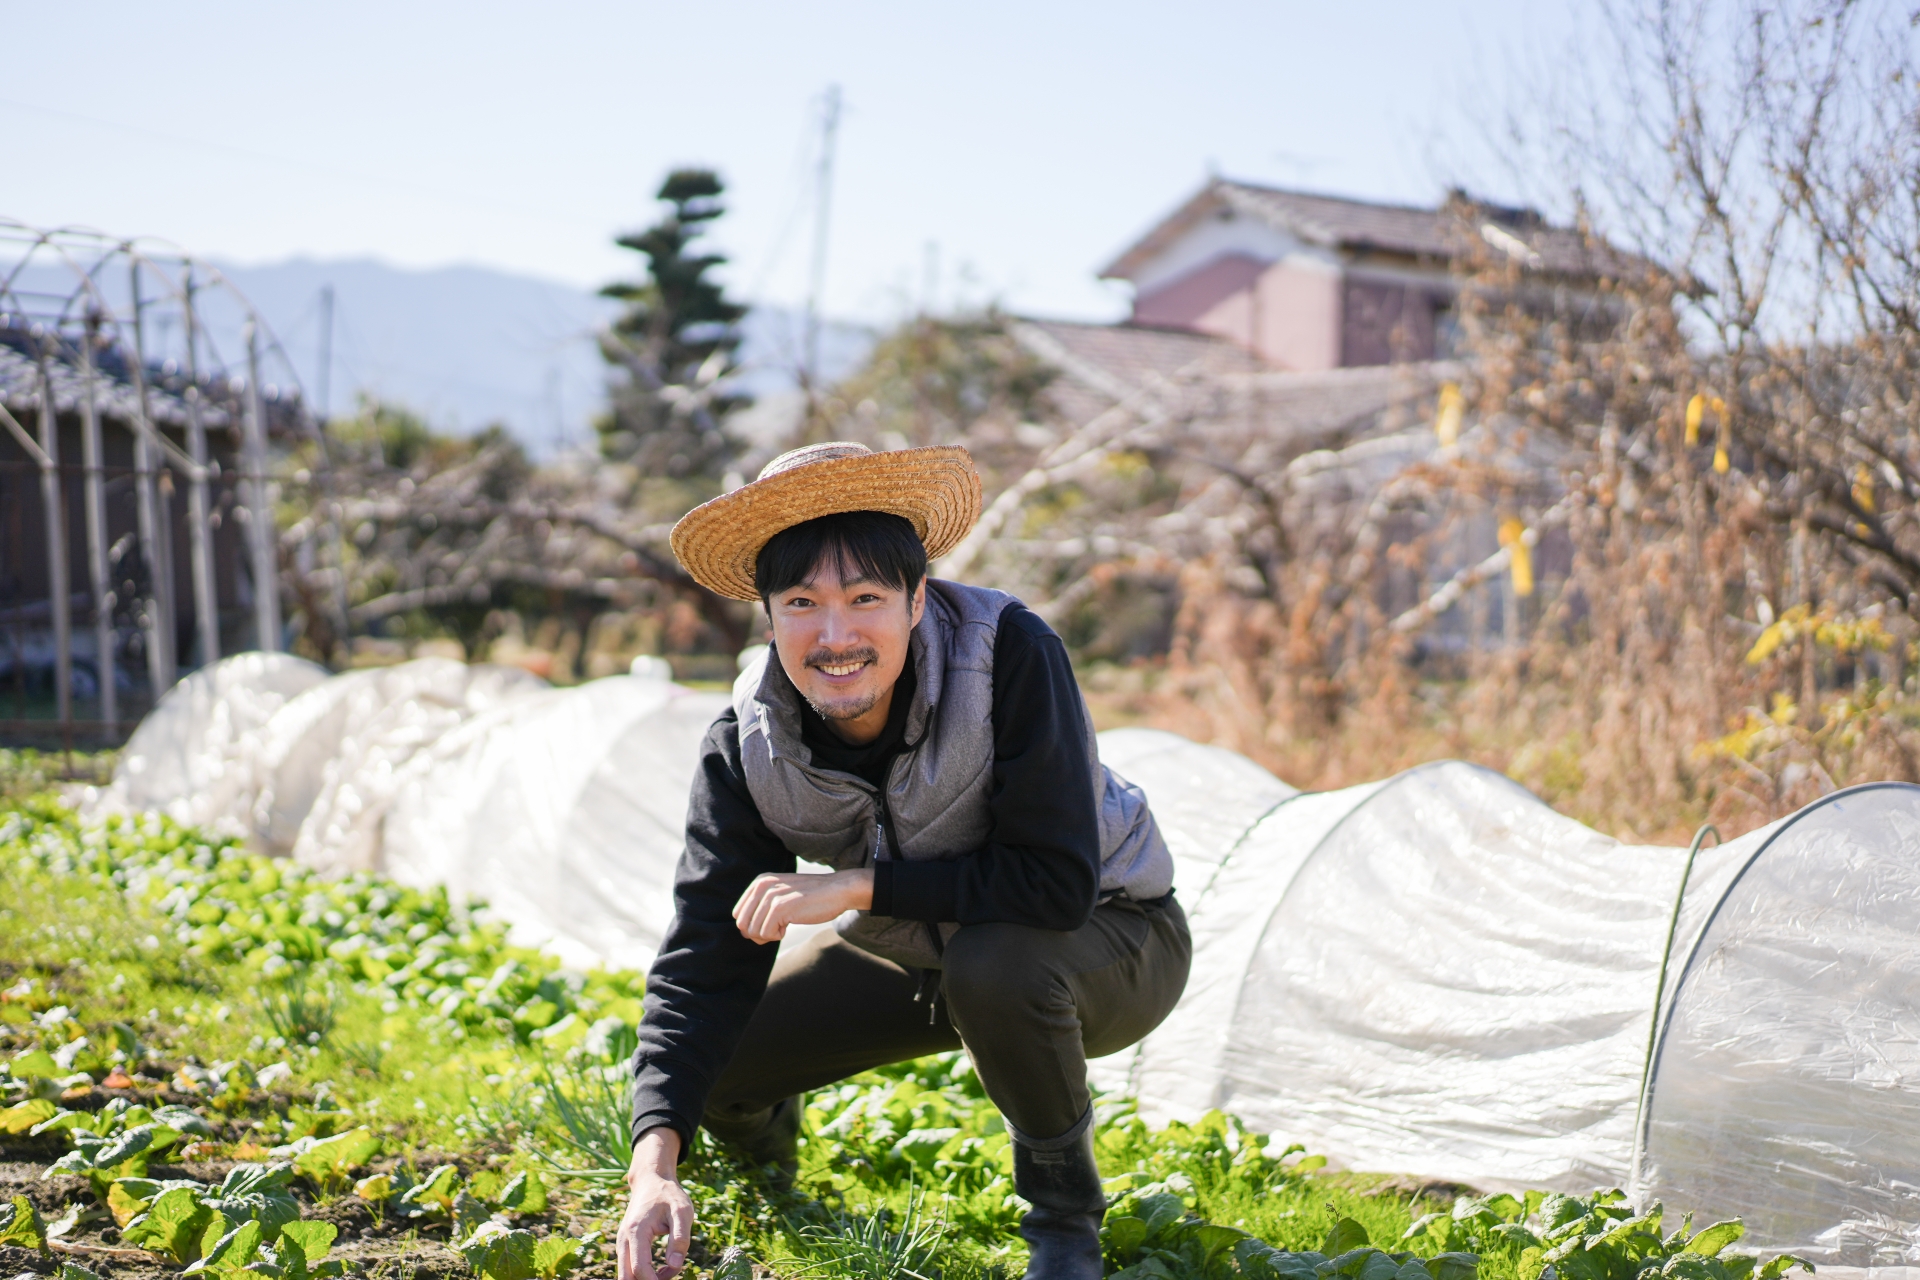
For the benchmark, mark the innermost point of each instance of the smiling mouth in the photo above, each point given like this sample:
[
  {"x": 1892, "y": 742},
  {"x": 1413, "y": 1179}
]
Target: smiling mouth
[{"x": 839, "y": 668}]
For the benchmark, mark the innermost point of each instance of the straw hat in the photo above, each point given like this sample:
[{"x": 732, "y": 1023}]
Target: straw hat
[{"x": 936, "y": 489}]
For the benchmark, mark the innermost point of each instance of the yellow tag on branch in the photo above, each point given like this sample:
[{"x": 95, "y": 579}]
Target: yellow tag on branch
[
  {"x": 1513, "y": 536},
  {"x": 1453, "y": 407},
  {"x": 1863, "y": 488}
]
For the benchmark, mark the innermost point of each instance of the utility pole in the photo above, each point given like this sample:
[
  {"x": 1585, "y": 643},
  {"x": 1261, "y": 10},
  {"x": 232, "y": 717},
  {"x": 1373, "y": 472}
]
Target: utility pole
[
  {"x": 323, "y": 385},
  {"x": 823, "y": 193}
]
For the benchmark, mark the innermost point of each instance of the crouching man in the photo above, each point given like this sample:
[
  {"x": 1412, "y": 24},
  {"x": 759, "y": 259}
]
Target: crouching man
[{"x": 995, "y": 887}]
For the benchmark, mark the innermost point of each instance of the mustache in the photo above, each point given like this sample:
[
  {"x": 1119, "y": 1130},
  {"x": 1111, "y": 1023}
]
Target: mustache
[{"x": 828, "y": 658}]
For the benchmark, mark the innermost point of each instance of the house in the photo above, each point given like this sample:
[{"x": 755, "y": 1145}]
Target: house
[{"x": 1315, "y": 282}]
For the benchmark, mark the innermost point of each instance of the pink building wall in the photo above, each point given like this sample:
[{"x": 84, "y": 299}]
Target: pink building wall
[
  {"x": 1186, "y": 303},
  {"x": 1288, "y": 312},
  {"x": 1298, "y": 313}
]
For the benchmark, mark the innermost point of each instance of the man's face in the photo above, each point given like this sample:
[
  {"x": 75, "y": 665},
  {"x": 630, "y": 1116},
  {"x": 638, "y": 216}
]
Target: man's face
[{"x": 843, "y": 640}]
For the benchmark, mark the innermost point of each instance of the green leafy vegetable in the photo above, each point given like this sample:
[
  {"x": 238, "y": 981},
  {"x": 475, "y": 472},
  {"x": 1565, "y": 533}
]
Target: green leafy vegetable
[
  {"x": 557, "y": 1255},
  {"x": 22, "y": 1225},
  {"x": 328, "y": 1161},
  {"x": 174, "y": 1225},
  {"x": 498, "y": 1252},
  {"x": 25, "y": 1116}
]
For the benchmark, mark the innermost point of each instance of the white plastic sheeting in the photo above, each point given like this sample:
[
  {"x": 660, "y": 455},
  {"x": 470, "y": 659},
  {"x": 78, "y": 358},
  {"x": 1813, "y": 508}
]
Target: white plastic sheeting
[
  {"x": 566, "y": 812},
  {"x": 1433, "y": 975},
  {"x": 193, "y": 757},
  {"x": 1438, "y": 975},
  {"x": 562, "y": 809},
  {"x": 1786, "y": 1085}
]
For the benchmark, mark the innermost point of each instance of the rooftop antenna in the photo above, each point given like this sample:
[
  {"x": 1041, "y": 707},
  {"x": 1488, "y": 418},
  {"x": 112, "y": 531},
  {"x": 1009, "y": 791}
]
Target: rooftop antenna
[{"x": 823, "y": 190}]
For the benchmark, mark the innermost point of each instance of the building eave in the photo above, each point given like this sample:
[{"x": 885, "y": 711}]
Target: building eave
[{"x": 1201, "y": 205}]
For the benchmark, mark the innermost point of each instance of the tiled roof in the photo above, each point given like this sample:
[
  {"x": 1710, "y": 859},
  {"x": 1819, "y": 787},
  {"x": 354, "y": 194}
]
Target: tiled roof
[
  {"x": 1442, "y": 233},
  {"x": 1104, "y": 363},
  {"x": 221, "y": 399},
  {"x": 1100, "y": 365}
]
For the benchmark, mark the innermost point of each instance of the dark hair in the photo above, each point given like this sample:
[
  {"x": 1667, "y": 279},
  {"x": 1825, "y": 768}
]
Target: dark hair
[{"x": 881, "y": 547}]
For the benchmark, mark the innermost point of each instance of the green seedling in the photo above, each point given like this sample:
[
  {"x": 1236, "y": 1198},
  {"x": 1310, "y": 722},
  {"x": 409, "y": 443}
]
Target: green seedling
[
  {"x": 128, "y": 1198},
  {"x": 178, "y": 1224},
  {"x": 555, "y": 1257},
  {"x": 432, "y": 1197},
  {"x": 101, "y": 1160},
  {"x": 301, "y": 1254},
  {"x": 257, "y": 1193},
  {"x": 25, "y": 1116},
  {"x": 328, "y": 1162},
  {"x": 496, "y": 1251},
  {"x": 21, "y": 1225}
]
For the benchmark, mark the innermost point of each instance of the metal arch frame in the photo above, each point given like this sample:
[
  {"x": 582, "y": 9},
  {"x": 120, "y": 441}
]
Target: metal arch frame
[
  {"x": 1667, "y": 1006},
  {"x": 86, "y": 253}
]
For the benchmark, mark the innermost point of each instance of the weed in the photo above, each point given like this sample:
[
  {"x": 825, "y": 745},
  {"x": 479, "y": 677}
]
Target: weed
[
  {"x": 867, "y": 1246},
  {"x": 297, "y": 1013}
]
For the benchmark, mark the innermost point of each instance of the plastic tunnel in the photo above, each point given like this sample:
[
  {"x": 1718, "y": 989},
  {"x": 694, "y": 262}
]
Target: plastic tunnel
[
  {"x": 1435, "y": 975},
  {"x": 562, "y": 809},
  {"x": 1785, "y": 1087}
]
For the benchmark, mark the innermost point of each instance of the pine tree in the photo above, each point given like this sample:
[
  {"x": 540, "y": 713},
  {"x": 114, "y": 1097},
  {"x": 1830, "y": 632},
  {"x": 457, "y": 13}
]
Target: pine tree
[{"x": 674, "y": 344}]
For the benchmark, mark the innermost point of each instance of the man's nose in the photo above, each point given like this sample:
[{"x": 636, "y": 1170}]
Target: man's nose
[{"x": 837, "y": 628}]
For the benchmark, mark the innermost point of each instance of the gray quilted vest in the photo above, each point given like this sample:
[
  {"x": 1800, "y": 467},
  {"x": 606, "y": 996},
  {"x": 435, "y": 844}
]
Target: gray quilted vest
[{"x": 938, "y": 789}]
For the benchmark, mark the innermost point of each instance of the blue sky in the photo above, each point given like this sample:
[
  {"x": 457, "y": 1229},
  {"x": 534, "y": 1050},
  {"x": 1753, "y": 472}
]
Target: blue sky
[{"x": 1027, "y": 141}]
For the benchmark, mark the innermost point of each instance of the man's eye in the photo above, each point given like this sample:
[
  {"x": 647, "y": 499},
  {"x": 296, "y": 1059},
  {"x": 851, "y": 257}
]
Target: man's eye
[
  {"x": 799, "y": 602},
  {"x": 866, "y": 597}
]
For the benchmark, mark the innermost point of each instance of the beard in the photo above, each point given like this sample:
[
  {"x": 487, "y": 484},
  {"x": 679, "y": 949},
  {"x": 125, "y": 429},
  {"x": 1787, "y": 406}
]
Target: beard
[{"x": 854, "y": 705}]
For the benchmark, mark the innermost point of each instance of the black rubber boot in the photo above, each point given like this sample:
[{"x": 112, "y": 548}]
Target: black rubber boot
[
  {"x": 767, "y": 1137},
  {"x": 1061, "y": 1180}
]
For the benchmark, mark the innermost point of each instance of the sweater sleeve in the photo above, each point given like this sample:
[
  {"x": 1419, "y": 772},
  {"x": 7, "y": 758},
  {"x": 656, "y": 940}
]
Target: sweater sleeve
[
  {"x": 707, "y": 978},
  {"x": 1041, "y": 863}
]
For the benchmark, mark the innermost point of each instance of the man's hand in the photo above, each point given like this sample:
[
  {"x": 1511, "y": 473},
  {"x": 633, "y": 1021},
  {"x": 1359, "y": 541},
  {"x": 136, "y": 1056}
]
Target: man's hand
[
  {"x": 659, "y": 1207},
  {"x": 772, "y": 902}
]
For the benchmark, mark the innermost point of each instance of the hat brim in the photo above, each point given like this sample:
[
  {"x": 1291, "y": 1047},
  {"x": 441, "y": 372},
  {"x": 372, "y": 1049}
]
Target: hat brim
[{"x": 935, "y": 489}]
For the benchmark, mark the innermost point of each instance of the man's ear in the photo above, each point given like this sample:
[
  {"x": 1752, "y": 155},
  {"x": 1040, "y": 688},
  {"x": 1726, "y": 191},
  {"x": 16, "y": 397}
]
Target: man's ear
[{"x": 919, "y": 603}]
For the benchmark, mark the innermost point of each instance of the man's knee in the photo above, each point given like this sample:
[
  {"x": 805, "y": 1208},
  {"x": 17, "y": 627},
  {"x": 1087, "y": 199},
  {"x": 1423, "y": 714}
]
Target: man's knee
[{"x": 1000, "y": 970}]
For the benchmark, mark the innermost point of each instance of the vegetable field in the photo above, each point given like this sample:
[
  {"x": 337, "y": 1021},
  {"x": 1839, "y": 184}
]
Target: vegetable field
[{"x": 216, "y": 1064}]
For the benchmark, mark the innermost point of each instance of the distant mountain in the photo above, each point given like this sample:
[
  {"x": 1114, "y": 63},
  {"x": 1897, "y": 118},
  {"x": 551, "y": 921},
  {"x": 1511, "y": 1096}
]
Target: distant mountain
[
  {"x": 465, "y": 346},
  {"x": 468, "y": 346}
]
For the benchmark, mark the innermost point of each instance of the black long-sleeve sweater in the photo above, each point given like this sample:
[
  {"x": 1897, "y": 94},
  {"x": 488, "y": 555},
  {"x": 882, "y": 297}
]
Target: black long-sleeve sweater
[{"x": 1040, "y": 866}]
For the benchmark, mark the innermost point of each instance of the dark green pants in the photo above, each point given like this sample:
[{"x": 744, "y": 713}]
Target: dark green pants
[{"x": 1030, "y": 1006}]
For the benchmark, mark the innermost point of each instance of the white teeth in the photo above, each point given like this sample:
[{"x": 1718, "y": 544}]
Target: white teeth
[{"x": 843, "y": 669}]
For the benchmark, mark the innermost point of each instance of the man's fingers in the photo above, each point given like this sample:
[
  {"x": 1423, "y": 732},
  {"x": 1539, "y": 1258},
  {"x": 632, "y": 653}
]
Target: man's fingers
[
  {"x": 629, "y": 1249},
  {"x": 762, "y": 922},
  {"x": 634, "y": 1245},
  {"x": 766, "y": 921},
  {"x": 680, "y": 1239},
  {"x": 750, "y": 899}
]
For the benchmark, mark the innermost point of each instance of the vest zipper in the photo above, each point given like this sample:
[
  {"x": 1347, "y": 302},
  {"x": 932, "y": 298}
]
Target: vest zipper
[{"x": 883, "y": 835}]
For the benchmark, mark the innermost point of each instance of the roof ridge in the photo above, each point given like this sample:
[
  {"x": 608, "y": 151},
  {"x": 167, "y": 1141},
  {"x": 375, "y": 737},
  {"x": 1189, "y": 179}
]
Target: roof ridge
[{"x": 1332, "y": 198}]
